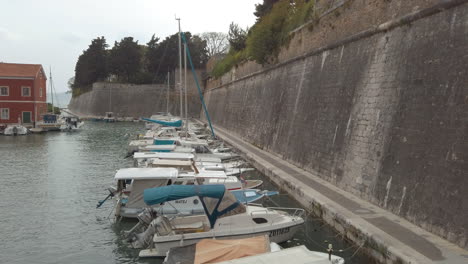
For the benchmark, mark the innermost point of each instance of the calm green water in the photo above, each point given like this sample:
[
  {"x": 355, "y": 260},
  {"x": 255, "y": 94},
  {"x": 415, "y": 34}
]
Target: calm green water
[{"x": 52, "y": 182}]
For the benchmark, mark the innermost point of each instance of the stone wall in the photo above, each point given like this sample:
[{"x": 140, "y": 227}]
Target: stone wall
[
  {"x": 129, "y": 100},
  {"x": 381, "y": 113}
]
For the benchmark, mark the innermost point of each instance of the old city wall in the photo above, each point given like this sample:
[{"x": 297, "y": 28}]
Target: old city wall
[
  {"x": 378, "y": 107},
  {"x": 129, "y": 100}
]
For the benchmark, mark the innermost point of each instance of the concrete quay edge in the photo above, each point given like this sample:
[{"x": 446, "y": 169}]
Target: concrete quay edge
[{"x": 379, "y": 243}]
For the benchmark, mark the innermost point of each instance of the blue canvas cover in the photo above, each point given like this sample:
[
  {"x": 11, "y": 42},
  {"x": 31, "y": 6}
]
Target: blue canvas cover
[
  {"x": 211, "y": 197},
  {"x": 175, "y": 192},
  {"x": 164, "y": 142},
  {"x": 50, "y": 118},
  {"x": 177, "y": 123}
]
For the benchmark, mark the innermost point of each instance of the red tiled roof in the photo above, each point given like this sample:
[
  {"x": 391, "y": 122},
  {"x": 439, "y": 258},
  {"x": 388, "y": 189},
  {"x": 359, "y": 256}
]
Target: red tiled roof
[{"x": 19, "y": 70}]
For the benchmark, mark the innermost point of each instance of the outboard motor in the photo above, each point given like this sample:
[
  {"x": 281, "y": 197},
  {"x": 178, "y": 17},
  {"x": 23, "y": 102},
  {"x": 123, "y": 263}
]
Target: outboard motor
[
  {"x": 144, "y": 220},
  {"x": 160, "y": 225}
]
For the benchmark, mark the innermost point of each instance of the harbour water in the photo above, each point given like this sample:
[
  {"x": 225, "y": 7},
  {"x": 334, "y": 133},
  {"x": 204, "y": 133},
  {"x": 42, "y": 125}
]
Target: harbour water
[{"x": 52, "y": 182}]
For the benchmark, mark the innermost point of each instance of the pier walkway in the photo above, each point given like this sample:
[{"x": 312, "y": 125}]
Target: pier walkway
[{"x": 381, "y": 232}]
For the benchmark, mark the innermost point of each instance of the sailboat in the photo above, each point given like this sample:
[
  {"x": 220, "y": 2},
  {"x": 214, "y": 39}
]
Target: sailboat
[{"x": 50, "y": 121}]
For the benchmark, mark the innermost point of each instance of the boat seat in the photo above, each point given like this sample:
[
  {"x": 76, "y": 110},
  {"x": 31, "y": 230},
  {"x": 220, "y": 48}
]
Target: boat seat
[{"x": 189, "y": 228}]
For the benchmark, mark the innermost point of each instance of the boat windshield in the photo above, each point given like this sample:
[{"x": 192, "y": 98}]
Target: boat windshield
[{"x": 228, "y": 205}]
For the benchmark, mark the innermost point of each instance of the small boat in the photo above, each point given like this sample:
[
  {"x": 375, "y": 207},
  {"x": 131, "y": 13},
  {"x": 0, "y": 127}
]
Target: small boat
[
  {"x": 131, "y": 182},
  {"x": 71, "y": 124},
  {"x": 14, "y": 130},
  {"x": 225, "y": 218},
  {"x": 50, "y": 122},
  {"x": 253, "y": 250},
  {"x": 109, "y": 117}
]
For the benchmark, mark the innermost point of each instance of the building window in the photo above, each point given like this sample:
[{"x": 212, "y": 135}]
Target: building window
[
  {"x": 40, "y": 92},
  {"x": 4, "y": 113},
  {"x": 25, "y": 91},
  {"x": 4, "y": 91}
]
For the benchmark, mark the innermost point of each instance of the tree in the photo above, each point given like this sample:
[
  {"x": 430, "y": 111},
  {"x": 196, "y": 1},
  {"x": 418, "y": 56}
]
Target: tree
[
  {"x": 125, "y": 59},
  {"x": 164, "y": 56},
  {"x": 198, "y": 50},
  {"x": 237, "y": 37},
  {"x": 152, "y": 55},
  {"x": 91, "y": 65},
  {"x": 70, "y": 84},
  {"x": 263, "y": 9},
  {"x": 216, "y": 43}
]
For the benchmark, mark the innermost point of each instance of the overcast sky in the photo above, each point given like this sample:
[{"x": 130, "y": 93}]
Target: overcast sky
[{"x": 55, "y": 32}]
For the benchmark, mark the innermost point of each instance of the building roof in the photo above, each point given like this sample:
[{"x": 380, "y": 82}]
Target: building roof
[{"x": 20, "y": 70}]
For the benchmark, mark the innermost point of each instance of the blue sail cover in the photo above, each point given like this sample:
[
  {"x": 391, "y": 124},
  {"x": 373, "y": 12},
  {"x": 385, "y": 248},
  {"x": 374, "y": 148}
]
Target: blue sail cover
[
  {"x": 164, "y": 142},
  {"x": 177, "y": 123},
  {"x": 175, "y": 192}
]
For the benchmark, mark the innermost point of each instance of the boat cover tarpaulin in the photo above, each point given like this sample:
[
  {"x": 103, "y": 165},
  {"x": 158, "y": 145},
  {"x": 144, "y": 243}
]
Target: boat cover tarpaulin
[
  {"x": 177, "y": 123},
  {"x": 212, "y": 251}
]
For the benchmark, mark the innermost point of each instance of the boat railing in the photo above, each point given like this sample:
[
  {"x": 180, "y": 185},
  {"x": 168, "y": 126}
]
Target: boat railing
[{"x": 293, "y": 212}]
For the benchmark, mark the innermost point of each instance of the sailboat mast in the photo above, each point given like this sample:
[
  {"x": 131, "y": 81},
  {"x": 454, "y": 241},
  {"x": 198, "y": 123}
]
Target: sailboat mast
[
  {"x": 167, "y": 94},
  {"x": 51, "y": 92},
  {"x": 185, "y": 88},
  {"x": 180, "y": 70}
]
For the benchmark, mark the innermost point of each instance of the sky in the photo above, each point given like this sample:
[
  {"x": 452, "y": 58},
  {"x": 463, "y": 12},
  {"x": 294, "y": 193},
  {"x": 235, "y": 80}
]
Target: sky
[{"x": 55, "y": 32}]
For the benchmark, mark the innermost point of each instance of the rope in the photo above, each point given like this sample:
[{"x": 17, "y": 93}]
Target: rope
[{"x": 198, "y": 85}]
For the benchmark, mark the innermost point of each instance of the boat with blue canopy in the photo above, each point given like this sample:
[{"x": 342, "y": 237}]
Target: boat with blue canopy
[{"x": 225, "y": 218}]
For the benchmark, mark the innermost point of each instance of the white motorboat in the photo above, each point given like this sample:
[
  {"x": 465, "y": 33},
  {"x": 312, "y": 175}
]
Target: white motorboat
[
  {"x": 131, "y": 182},
  {"x": 13, "y": 130},
  {"x": 224, "y": 218},
  {"x": 109, "y": 117},
  {"x": 144, "y": 159},
  {"x": 71, "y": 124},
  {"x": 255, "y": 250},
  {"x": 50, "y": 122},
  {"x": 294, "y": 255}
]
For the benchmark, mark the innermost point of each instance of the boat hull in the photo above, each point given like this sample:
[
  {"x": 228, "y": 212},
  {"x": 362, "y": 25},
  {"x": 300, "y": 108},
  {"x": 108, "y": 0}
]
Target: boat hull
[{"x": 279, "y": 235}]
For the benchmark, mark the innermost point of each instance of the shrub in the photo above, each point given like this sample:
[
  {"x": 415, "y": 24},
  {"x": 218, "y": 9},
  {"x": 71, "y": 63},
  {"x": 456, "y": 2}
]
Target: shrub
[{"x": 270, "y": 33}]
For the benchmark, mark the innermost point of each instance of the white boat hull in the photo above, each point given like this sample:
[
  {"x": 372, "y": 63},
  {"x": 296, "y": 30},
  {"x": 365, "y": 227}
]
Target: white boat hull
[
  {"x": 15, "y": 130},
  {"x": 281, "y": 234}
]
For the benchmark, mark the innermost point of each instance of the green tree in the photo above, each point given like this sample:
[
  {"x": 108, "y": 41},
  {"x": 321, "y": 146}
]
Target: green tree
[
  {"x": 91, "y": 65},
  {"x": 263, "y": 9},
  {"x": 125, "y": 59},
  {"x": 153, "y": 55},
  {"x": 163, "y": 57},
  {"x": 237, "y": 37}
]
